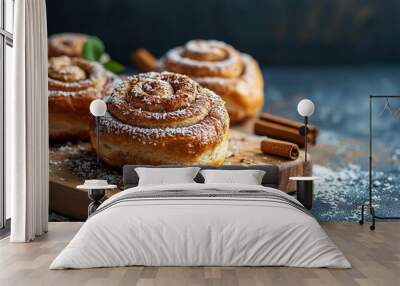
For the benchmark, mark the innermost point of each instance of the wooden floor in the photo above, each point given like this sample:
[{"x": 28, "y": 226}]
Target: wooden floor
[{"x": 375, "y": 257}]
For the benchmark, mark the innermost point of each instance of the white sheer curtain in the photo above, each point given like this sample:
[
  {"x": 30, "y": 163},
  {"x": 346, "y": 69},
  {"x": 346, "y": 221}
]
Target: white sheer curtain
[{"x": 27, "y": 124}]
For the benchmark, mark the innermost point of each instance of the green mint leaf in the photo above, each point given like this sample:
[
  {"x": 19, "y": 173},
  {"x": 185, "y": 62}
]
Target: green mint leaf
[
  {"x": 93, "y": 49},
  {"x": 114, "y": 66}
]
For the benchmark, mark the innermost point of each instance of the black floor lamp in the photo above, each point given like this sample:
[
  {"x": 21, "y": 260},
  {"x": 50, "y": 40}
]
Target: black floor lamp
[
  {"x": 369, "y": 204},
  {"x": 305, "y": 183},
  {"x": 96, "y": 188},
  {"x": 98, "y": 108},
  {"x": 305, "y": 108}
]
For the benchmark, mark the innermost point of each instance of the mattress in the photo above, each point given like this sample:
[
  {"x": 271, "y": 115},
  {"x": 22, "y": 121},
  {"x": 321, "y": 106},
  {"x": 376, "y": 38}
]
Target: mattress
[{"x": 201, "y": 225}]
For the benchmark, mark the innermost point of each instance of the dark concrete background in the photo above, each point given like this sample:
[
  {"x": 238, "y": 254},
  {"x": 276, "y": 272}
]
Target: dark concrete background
[{"x": 276, "y": 32}]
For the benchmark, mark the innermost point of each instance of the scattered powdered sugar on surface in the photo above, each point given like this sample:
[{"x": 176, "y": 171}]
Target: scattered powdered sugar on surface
[
  {"x": 82, "y": 162},
  {"x": 340, "y": 193}
]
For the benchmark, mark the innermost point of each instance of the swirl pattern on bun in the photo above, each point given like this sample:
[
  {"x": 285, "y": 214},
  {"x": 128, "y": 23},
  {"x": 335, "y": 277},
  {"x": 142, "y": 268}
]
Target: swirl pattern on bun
[
  {"x": 235, "y": 76},
  {"x": 66, "y": 44},
  {"x": 73, "y": 84},
  {"x": 163, "y": 118}
]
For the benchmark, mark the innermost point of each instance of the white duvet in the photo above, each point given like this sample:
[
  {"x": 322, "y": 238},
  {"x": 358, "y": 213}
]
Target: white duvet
[{"x": 188, "y": 231}]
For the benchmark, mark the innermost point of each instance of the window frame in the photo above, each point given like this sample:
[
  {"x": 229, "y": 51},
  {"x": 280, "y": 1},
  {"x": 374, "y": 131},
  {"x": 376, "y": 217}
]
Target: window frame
[{"x": 6, "y": 39}]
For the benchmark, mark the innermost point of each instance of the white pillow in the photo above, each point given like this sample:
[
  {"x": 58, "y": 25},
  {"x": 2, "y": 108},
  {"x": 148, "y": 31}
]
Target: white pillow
[
  {"x": 166, "y": 176},
  {"x": 249, "y": 177}
]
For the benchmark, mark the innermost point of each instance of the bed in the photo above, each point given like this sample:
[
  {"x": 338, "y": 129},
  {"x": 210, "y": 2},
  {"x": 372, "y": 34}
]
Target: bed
[{"x": 199, "y": 224}]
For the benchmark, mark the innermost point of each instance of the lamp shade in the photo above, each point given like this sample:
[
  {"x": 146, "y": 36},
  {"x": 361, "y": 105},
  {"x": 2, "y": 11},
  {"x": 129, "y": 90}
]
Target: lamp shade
[
  {"x": 305, "y": 107},
  {"x": 98, "y": 107}
]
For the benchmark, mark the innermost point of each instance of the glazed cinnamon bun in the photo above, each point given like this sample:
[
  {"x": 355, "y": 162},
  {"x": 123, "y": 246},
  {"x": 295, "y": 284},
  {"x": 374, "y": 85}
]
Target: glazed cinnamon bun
[
  {"x": 67, "y": 44},
  {"x": 163, "y": 118},
  {"x": 73, "y": 84},
  {"x": 235, "y": 76}
]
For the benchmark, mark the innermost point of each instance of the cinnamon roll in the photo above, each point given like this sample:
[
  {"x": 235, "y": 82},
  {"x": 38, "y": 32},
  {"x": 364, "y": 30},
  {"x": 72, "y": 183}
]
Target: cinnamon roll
[
  {"x": 163, "y": 118},
  {"x": 235, "y": 76},
  {"x": 73, "y": 84},
  {"x": 67, "y": 44}
]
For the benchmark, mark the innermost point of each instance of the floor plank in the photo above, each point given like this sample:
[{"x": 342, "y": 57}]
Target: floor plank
[{"x": 375, "y": 257}]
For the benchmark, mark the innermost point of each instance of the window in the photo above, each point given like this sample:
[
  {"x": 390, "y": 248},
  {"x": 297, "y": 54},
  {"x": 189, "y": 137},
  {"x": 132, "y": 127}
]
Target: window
[{"x": 6, "y": 62}]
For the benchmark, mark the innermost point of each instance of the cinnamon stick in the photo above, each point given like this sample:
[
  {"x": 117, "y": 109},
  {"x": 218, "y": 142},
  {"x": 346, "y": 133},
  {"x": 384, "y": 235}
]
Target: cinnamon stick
[
  {"x": 144, "y": 60},
  {"x": 278, "y": 127},
  {"x": 280, "y": 148},
  {"x": 287, "y": 122},
  {"x": 281, "y": 132}
]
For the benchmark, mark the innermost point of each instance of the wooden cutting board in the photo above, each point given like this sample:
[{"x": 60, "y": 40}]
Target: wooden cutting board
[{"x": 72, "y": 163}]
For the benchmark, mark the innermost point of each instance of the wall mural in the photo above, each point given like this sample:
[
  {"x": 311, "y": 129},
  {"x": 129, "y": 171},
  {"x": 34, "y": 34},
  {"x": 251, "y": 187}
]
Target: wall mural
[{"x": 212, "y": 102}]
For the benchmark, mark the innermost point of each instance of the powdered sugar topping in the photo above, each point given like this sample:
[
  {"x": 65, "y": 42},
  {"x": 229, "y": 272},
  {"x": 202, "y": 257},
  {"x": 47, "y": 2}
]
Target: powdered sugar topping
[{"x": 202, "y": 114}]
